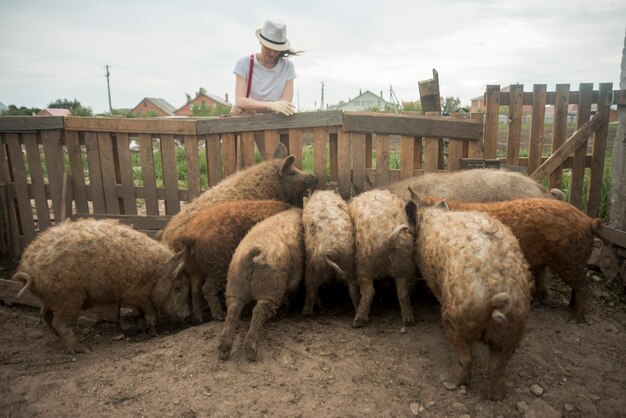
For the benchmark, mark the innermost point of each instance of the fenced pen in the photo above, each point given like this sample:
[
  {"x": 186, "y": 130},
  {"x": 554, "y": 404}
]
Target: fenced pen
[{"x": 52, "y": 167}]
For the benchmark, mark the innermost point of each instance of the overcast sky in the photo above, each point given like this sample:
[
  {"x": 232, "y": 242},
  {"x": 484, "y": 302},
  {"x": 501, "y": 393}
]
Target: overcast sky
[{"x": 58, "y": 49}]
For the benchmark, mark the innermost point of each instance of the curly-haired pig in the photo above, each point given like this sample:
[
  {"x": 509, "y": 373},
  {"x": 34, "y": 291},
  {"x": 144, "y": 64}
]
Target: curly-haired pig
[
  {"x": 267, "y": 266},
  {"x": 276, "y": 178},
  {"x": 478, "y": 185},
  {"x": 474, "y": 266},
  {"x": 329, "y": 243},
  {"x": 76, "y": 265},
  {"x": 209, "y": 241},
  {"x": 383, "y": 248},
  {"x": 552, "y": 233}
]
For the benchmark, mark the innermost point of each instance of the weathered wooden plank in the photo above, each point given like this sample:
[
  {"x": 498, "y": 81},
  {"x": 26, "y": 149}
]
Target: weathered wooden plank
[
  {"x": 262, "y": 122},
  {"x": 193, "y": 165},
  {"x": 229, "y": 152},
  {"x": 559, "y": 130},
  {"x": 556, "y": 159},
  {"x": 475, "y": 148},
  {"x": 124, "y": 171},
  {"x": 599, "y": 151},
  {"x": 418, "y": 153},
  {"x": 170, "y": 176},
  {"x": 407, "y": 151},
  {"x": 214, "y": 159},
  {"x": 412, "y": 125},
  {"x": 55, "y": 165},
  {"x": 295, "y": 146},
  {"x": 577, "y": 177},
  {"x": 149, "y": 189},
  {"x": 535, "y": 142},
  {"x": 344, "y": 175},
  {"x": 334, "y": 162},
  {"x": 25, "y": 215},
  {"x": 358, "y": 162},
  {"x": 107, "y": 167},
  {"x": 382, "y": 160},
  {"x": 7, "y": 198},
  {"x": 134, "y": 126},
  {"x": 616, "y": 236},
  {"x": 9, "y": 290},
  {"x": 492, "y": 107},
  {"x": 95, "y": 172},
  {"x": 369, "y": 149},
  {"x": 247, "y": 149},
  {"x": 79, "y": 190},
  {"x": 29, "y": 123},
  {"x": 319, "y": 156},
  {"x": 37, "y": 179},
  {"x": 271, "y": 143},
  {"x": 514, "y": 137},
  {"x": 455, "y": 153}
]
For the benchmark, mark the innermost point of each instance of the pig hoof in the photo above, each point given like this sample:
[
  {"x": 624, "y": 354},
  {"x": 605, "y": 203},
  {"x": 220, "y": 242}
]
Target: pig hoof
[
  {"x": 251, "y": 352},
  {"x": 409, "y": 321},
  {"x": 307, "y": 312},
  {"x": 496, "y": 394},
  {"x": 78, "y": 348},
  {"x": 358, "y": 322},
  {"x": 223, "y": 352}
]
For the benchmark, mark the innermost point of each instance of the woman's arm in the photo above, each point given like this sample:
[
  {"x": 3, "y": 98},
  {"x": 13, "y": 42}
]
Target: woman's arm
[{"x": 243, "y": 102}]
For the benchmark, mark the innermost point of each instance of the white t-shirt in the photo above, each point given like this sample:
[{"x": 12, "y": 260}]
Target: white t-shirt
[{"x": 267, "y": 83}]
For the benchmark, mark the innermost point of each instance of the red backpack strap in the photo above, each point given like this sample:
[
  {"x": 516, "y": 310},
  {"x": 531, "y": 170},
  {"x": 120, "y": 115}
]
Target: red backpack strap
[{"x": 250, "y": 74}]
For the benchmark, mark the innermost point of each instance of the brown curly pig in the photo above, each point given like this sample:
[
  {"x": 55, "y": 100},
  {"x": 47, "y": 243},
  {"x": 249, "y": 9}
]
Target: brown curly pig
[
  {"x": 77, "y": 265},
  {"x": 267, "y": 266},
  {"x": 478, "y": 185},
  {"x": 476, "y": 269},
  {"x": 552, "y": 233},
  {"x": 209, "y": 241},
  {"x": 383, "y": 248},
  {"x": 329, "y": 243},
  {"x": 276, "y": 178}
]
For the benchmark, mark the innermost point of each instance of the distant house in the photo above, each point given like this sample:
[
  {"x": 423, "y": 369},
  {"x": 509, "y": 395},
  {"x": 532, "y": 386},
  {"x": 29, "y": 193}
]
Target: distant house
[
  {"x": 156, "y": 106},
  {"x": 365, "y": 101},
  {"x": 209, "y": 99},
  {"x": 54, "y": 112}
]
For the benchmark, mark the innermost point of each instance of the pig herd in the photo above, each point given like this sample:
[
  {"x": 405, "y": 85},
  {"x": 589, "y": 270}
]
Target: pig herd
[{"x": 480, "y": 239}]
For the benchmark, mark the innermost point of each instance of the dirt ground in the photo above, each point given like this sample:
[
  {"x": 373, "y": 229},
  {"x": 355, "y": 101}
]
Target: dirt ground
[{"x": 319, "y": 367}]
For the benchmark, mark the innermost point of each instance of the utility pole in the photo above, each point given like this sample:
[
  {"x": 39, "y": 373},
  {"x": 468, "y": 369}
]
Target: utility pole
[
  {"x": 322, "y": 102},
  {"x": 109, "y": 89}
]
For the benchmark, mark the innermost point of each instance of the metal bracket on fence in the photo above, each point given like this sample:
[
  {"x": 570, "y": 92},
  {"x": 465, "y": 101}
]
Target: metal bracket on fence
[{"x": 470, "y": 163}]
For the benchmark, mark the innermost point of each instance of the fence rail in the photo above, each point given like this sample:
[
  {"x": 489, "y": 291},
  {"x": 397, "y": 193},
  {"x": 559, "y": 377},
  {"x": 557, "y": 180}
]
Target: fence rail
[{"x": 153, "y": 166}]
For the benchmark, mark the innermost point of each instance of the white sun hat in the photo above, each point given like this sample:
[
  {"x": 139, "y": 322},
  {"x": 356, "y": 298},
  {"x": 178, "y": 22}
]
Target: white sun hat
[{"x": 273, "y": 35}]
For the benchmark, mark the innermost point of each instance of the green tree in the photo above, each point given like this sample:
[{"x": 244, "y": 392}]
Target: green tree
[
  {"x": 13, "y": 110},
  {"x": 203, "y": 109},
  {"x": 412, "y": 106},
  {"x": 74, "y": 106},
  {"x": 450, "y": 104}
]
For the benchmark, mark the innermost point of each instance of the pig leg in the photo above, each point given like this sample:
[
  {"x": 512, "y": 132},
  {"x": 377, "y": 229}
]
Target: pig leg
[
  {"x": 196, "y": 281},
  {"x": 463, "y": 350},
  {"x": 403, "y": 289},
  {"x": 580, "y": 290},
  {"x": 312, "y": 287},
  {"x": 541, "y": 290},
  {"x": 367, "y": 295},
  {"x": 211, "y": 289},
  {"x": 62, "y": 323},
  {"x": 498, "y": 359},
  {"x": 235, "y": 305},
  {"x": 264, "y": 310},
  {"x": 47, "y": 316},
  {"x": 353, "y": 288}
]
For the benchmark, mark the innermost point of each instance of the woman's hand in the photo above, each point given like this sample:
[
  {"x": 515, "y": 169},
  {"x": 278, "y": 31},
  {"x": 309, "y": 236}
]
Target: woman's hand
[{"x": 281, "y": 106}]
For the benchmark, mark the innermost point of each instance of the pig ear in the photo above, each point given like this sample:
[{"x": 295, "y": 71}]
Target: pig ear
[
  {"x": 414, "y": 195},
  {"x": 411, "y": 212},
  {"x": 281, "y": 151},
  {"x": 286, "y": 165}
]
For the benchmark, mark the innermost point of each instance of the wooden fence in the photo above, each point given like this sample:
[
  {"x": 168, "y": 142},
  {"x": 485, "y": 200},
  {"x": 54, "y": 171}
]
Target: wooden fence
[{"x": 50, "y": 166}]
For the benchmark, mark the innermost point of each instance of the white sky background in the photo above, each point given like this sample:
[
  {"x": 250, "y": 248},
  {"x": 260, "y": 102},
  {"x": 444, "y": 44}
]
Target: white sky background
[{"x": 161, "y": 48}]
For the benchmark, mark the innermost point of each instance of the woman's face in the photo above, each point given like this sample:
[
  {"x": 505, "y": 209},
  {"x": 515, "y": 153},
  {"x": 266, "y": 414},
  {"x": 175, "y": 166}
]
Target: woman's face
[{"x": 270, "y": 55}]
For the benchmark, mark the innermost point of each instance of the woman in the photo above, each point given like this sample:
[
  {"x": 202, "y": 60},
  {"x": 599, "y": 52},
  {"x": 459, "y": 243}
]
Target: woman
[{"x": 264, "y": 81}]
